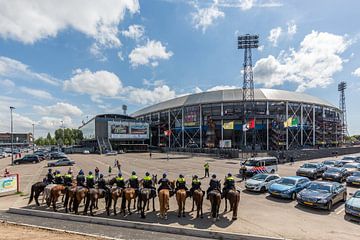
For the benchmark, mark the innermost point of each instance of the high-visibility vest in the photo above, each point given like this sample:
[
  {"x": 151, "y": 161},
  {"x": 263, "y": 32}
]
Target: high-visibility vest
[
  {"x": 230, "y": 179},
  {"x": 181, "y": 180},
  {"x": 119, "y": 179},
  {"x": 68, "y": 176},
  {"x": 89, "y": 177},
  {"x": 147, "y": 178},
  {"x": 133, "y": 177},
  {"x": 58, "y": 175},
  {"x": 206, "y": 166},
  {"x": 196, "y": 181}
]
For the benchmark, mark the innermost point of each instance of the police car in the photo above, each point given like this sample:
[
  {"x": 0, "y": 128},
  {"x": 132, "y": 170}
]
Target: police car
[{"x": 258, "y": 165}]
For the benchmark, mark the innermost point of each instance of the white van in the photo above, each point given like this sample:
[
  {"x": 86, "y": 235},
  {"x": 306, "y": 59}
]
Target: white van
[{"x": 261, "y": 165}]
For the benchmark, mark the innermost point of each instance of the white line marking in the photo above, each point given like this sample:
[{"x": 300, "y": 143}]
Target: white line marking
[{"x": 340, "y": 211}]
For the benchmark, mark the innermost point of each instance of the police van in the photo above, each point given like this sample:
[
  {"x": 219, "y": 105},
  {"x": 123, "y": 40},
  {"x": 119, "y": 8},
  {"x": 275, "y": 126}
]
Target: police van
[{"x": 260, "y": 165}]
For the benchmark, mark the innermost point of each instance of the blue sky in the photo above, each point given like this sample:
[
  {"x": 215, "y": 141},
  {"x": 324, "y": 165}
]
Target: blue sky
[{"x": 69, "y": 61}]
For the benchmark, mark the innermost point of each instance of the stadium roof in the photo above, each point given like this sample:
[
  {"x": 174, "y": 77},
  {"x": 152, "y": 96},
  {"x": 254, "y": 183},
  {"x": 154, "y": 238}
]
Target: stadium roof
[{"x": 233, "y": 95}]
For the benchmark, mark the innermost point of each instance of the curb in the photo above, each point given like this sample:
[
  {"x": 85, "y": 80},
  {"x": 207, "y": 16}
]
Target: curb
[
  {"x": 59, "y": 230},
  {"x": 142, "y": 226}
]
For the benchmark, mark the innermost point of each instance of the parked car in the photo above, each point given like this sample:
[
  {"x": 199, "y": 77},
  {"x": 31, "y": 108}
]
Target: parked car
[
  {"x": 41, "y": 154},
  {"x": 329, "y": 163},
  {"x": 61, "y": 162},
  {"x": 354, "y": 179},
  {"x": 353, "y": 158},
  {"x": 322, "y": 195},
  {"x": 111, "y": 153},
  {"x": 311, "y": 170},
  {"x": 57, "y": 155},
  {"x": 352, "y": 167},
  {"x": 342, "y": 162},
  {"x": 86, "y": 152},
  {"x": 260, "y": 165},
  {"x": 261, "y": 182},
  {"x": 28, "y": 159},
  {"x": 352, "y": 205},
  {"x": 335, "y": 174},
  {"x": 288, "y": 187}
]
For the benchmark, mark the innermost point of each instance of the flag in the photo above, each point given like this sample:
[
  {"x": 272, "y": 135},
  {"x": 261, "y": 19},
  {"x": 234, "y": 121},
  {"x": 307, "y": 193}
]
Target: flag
[
  {"x": 245, "y": 127},
  {"x": 291, "y": 122},
  {"x": 228, "y": 125},
  {"x": 167, "y": 132},
  {"x": 251, "y": 123},
  {"x": 295, "y": 122}
]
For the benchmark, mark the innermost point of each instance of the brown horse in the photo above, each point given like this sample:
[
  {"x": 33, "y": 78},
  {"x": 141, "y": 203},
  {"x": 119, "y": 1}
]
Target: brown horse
[
  {"x": 198, "y": 198},
  {"x": 69, "y": 198},
  {"x": 215, "y": 200},
  {"x": 80, "y": 194},
  {"x": 116, "y": 193},
  {"x": 55, "y": 193},
  {"x": 36, "y": 190},
  {"x": 234, "y": 198},
  {"x": 164, "y": 197},
  {"x": 128, "y": 195},
  {"x": 181, "y": 198},
  {"x": 93, "y": 195}
]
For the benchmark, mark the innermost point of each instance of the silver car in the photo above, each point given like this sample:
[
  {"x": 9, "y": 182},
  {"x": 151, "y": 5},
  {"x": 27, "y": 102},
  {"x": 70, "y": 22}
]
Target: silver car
[{"x": 261, "y": 182}]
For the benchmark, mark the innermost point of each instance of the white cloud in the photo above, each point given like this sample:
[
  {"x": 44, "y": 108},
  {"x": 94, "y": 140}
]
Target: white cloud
[
  {"x": 134, "y": 32},
  {"x": 221, "y": 87},
  {"x": 150, "y": 96},
  {"x": 261, "y": 48},
  {"x": 205, "y": 17},
  {"x": 246, "y": 4},
  {"x": 36, "y": 93},
  {"x": 291, "y": 28},
  {"x": 59, "y": 109},
  {"x": 312, "y": 65},
  {"x": 120, "y": 56},
  {"x": 6, "y": 83},
  {"x": 100, "y": 83},
  {"x": 10, "y": 68},
  {"x": 198, "y": 90},
  {"x": 53, "y": 123},
  {"x": 149, "y": 53},
  {"x": 274, "y": 35},
  {"x": 356, "y": 72}
]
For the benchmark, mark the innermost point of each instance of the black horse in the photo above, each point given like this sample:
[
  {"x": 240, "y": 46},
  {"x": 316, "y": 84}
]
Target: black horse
[
  {"x": 144, "y": 198},
  {"x": 36, "y": 190}
]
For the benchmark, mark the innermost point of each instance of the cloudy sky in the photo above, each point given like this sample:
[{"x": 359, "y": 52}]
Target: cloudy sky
[{"x": 71, "y": 60}]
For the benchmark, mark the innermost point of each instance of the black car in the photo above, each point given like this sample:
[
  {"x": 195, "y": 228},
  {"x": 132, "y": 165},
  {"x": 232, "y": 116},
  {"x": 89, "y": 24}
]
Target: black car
[
  {"x": 311, "y": 170},
  {"x": 57, "y": 155},
  {"x": 322, "y": 195},
  {"x": 27, "y": 159},
  {"x": 354, "y": 179},
  {"x": 61, "y": 162},
  {"x": 335, "y": 174},
  {"x": 40, "y": 154},
  {"x": 329, "y": 163}
]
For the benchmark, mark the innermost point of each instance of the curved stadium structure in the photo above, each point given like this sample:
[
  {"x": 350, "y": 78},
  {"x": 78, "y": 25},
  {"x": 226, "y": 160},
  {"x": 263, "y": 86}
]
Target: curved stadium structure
[{"x": 276, "y": 120}]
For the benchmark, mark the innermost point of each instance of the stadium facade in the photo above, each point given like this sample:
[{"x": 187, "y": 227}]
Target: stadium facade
[{"x": 280, "y": 120}]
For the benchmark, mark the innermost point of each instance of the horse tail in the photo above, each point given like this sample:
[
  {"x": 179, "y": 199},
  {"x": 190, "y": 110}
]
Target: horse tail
[
  {"x": 213, "y": 206},
  {"x": 31, "y": 194},
  {"x": 109, "y": 195},
  {"x": 123, "y": 201}
]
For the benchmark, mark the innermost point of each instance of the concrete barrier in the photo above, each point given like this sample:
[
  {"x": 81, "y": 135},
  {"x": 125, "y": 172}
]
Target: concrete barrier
[{"x": 141, "y": 225}]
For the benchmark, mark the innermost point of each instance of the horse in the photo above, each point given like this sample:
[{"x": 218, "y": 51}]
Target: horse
[
  {"x": 93, "y": 196},
  {"x": 164, "y": 196},
  {"x": 144, "y": 197},
  {"x": 181, "y": 198},
  {"x": 128, "y": 195},
  {"x": 69, "y": 198},
  {"x": 234, "y": 198},
  {"x": 36, "y": 190},
  {"x": 198, "y": 198},
  {"x": 55, "y": 193},
  {"x": 47, "y": 194},
  {"x": 215, "y": 200},
  {"x": 116, "y": 193},
  {"x": 79, "y": 195}
]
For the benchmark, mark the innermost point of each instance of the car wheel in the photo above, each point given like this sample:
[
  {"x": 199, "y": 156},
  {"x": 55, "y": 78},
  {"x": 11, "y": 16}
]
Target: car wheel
[
  {"x": 329, "y": 206},
  {"x": 344, "y": 197},
  {"x": 272, "y": 171},
  {"x": 293, "y": 196},
  {"x": 16, "y": 163},
  {"x": 34, "y": 162},
  {"x": 263, "y": 189}
]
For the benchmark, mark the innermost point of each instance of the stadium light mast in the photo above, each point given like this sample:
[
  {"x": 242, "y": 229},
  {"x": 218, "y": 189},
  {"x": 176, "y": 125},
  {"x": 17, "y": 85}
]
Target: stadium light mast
[
  {"x": 247, "y": 42},
  {"x": 12, "y": 135},
  {"x": 344, "y": 131},
  {"x": 124, "y": 108}
]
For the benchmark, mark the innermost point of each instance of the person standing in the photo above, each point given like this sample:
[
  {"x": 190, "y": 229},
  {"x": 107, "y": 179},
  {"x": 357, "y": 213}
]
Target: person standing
[
  {"x": 97, "y": 172},
  {"x": 118, "y": 166},
  {"x": 150, "y": 154},
  {"x": 243, "y": 172},
  {"x": 206, "y": 167},
  {"x": 109, "y": 170}
]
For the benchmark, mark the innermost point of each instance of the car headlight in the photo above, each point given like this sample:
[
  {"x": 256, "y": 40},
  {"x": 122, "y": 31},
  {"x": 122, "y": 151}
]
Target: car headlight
[
  {"x": 288, "y": 191},
  {"x": 322, "y": 200}
]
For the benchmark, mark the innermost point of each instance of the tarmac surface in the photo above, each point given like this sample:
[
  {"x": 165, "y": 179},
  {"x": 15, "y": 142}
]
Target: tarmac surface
[{"x": 258, "y": 213}]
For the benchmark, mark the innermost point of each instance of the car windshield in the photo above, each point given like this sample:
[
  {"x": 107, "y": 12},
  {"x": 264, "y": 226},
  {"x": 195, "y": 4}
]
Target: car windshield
[
  {"x": 356, "y": 194},
  {"x": 287, "y": 181},
  {"x": 348, "y": 158},
  {"x": 319, "y": 187},
  {"x": 309, "y": 165},
  {"x": 349, "y": 165},
  {"x": 333, "y": 170},
  {"x": 329, "y": 162},
  {"x": 356, "y": 174},
  {"x": 252, "y": 163},
  {"x": 259, "y": 177}
]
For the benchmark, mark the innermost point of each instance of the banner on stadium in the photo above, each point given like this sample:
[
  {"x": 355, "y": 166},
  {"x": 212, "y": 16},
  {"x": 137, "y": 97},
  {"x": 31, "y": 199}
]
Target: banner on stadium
[
  {"x": 228, "y": 125},
  {"x": 128, "y": 130},
  {"x": 291, "y": 122}
]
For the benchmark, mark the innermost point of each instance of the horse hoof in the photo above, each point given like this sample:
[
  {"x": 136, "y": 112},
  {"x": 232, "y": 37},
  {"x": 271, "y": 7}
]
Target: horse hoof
[
  {"x": 202, "y": 217},
  {"x": 183, "y": 215},
  {"x": 179, "y": 216},
  {"x": 234, "y": 218}
]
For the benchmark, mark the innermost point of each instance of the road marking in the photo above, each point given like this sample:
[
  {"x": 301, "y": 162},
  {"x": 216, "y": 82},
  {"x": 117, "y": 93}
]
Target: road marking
[{"x": 340, "y": 211}]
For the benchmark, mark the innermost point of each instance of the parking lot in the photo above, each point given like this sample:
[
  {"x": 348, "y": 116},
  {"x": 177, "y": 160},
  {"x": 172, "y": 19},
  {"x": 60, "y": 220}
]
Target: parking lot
[{"x": 258, "y": 213}]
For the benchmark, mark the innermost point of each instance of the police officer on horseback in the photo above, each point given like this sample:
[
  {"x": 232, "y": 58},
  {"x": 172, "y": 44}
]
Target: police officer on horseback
[
  {"x": 102, "y": 184},
  {"x": 134, "y": 182},
  {"x": 58, "y": 178},
  {"x": 195, "y": 184},
  {"x": 90, "y": 180},
  {"x": 80, "y": 179},
  {"x": 147, "y": 182},
  {"x": 213, "y": 185},
  {"x": 228, "y": 184},
  {"x": 50, "y": 177},
  {"x": 164, "y": 183},
  {"x": 119, "y": 180},
  {"x": 68, "y": 179}
]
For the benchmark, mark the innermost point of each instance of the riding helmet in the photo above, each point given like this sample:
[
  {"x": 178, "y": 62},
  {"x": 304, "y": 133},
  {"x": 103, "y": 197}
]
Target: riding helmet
[
  {"x": 133, "y": 173},
  {"x": 147, "y": 174},
  {"x": 213, "y": 176},
  {"x": 120, "y": 174}
]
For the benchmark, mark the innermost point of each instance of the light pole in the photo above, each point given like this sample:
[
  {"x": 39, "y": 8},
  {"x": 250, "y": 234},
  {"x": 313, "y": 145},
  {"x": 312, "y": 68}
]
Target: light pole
[
  {"x": 33, "y": 137},
  {"x": 12, "y": 136}
]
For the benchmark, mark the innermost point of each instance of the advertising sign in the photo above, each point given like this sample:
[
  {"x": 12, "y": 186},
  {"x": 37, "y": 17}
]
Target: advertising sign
[
  {"x": 225, "y": 143},
  {"x": 8, "y": 184},
  {"x": 128, "y": 130}
]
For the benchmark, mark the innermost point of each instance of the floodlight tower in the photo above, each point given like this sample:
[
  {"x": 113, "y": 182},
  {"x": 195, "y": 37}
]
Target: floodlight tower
[
  {"x": 341, "y": 88},
  {"x": 247, "y": 42},
  {"x": 124, "y": 108}
]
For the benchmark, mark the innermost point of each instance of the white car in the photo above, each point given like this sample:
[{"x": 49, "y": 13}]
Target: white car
[
  {"x": 261, "y": 182},
  {"x": 86, "y": 152}
]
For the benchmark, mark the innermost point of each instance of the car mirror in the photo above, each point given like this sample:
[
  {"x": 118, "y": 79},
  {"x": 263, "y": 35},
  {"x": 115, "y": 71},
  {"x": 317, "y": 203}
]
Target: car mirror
[{"x": 351, "y": 194}]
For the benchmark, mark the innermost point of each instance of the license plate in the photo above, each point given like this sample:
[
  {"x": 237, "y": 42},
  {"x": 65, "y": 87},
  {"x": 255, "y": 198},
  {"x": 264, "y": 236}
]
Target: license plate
[
  {"x": 308, "y": 203},
  {"x": 275, "y": 193},
  {"x": 328, "y": 178}
]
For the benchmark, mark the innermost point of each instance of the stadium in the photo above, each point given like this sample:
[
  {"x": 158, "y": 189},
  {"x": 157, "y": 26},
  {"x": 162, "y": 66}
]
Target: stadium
[{"x": 275, "y": 120}]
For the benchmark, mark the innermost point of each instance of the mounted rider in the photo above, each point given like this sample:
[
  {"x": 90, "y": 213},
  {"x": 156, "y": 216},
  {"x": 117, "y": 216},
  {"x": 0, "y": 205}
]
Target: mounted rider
[
  {"x": 164, "y": 183},
  {"x": 133, "y": 182},
  {"x": 120, "y": 181},
  {"x": 50, "y": 177},
  {"x": 181, "y": 184},
  {"x": 68, "y": 179},
  {"x": 58, "y": 178},
  {"x": 147, "y": 182},
  {"x": 80, "y": 179},
  {"x": 195, "y": 184},
  {"x": 90, "y": 180},
  {"x": 213, "y": 185},
  {"x": 101, "y": 183},
  {"x": 229, "y": 184}
]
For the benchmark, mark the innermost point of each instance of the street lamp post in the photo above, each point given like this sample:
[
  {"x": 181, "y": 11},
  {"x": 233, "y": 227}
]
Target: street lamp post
[
  {"x": 12, "y": 135},
  {"x": 33, "y": 137}
]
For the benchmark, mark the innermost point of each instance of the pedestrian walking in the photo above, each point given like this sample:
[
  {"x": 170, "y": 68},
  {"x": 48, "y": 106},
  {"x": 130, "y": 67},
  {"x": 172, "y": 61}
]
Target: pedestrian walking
[
  {"x": 150, "y": 154},
  {"x": 118, "y": 166},
  {"x": 109, "y": 170},
  {"x": 206, "y": 167},
  {"x": 115, "y": 163},
  {"x": 292, "y": 160},
  {"x": 97, "y": 172},
  {"x": 243, "y": 172}
]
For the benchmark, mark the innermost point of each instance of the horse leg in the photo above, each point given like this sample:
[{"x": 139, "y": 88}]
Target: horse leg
[
  {"x": 54, "y": 200},
  {"x": 153, "y": 204},
  {"x": 201, "y": 206},
  {"x": 36, "y": 197},
  {"x": 129, "y": 203},
  {"x": 148, "y": 204},
  {"x": 142, "y": 208},
  {"x": 193, "y": 201},
  {"x": 183, "y": 210},
  {"x": 115, "y": 201},
  {"x": 225, "y": 205}
]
